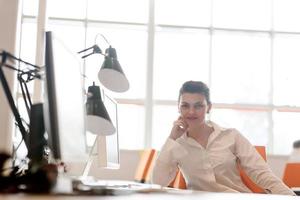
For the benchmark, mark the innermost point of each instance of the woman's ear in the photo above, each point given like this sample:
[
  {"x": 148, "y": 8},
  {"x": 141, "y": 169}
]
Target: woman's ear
[{"x": 208, "y": 109}]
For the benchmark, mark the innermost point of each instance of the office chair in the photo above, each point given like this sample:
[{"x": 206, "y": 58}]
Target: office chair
[
  {"x": 145, "y": 165},
  {"x": 291, "y": 175},
  {"x": 179, "y": 181},
  {"x": 245, "y": 178}
]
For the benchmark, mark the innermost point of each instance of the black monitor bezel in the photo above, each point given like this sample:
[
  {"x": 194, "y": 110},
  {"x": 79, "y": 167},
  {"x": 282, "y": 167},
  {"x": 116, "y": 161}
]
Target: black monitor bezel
[{"x": 50, "y": 107}]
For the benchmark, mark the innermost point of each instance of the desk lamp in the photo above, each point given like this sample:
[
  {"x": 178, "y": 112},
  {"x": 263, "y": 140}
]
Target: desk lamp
[
  {"x": 111, "y": 74},
  {"x": 113, "y": 78},
  {"x": 98, "y": 120}
]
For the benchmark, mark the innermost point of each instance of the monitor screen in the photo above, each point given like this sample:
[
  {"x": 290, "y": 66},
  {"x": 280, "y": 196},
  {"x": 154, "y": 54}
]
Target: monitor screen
[
  {"x": 108, "y": 146},
  {"x": 63, "y": 102}
]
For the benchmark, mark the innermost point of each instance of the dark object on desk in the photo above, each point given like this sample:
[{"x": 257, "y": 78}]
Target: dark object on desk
[
  {"x": 296, "y": 190},
  {"x": 37, "y": 141},
  {"x": 39, "y": 180}
]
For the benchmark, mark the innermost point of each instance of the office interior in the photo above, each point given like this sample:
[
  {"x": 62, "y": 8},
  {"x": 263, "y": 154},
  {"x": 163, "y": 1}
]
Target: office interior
[{"x": 246, "y": 51}]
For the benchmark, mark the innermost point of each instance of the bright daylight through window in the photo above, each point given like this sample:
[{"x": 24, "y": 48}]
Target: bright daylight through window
[{"x": 250, "y": 62}]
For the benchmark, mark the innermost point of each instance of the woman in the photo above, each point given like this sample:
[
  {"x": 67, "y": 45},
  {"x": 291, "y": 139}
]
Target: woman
[{"x": 207, "y": 154}]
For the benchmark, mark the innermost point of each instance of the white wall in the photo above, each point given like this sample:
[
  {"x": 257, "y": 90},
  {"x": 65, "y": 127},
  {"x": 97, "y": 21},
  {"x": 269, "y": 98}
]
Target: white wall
[
  {"x": 9, "y": 22},
  {"x": 277, "y": 164}
]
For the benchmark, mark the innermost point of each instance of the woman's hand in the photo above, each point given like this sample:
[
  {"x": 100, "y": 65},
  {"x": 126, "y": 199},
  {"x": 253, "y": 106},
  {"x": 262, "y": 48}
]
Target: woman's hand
[{"x": 179, "y": 128}]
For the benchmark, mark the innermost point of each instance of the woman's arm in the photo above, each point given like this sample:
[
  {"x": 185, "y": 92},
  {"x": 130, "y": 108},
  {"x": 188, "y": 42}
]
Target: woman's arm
[
  {"x": 257, "y": 169},
  {"x": 165, "y": 166}
]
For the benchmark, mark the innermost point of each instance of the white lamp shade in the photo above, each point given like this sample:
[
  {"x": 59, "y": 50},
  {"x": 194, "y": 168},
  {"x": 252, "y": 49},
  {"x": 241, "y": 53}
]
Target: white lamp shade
[
  {"x": 99, "y": 126},
  {"x": 113, "y": 80}
]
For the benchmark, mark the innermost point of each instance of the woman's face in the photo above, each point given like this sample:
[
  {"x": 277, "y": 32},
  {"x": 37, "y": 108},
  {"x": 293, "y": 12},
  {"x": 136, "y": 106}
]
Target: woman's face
[{"x": 193, "y": 108}]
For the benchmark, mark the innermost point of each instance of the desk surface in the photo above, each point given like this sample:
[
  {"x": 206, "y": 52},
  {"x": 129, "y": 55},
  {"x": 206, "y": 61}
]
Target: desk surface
[{"x": 191, "y": 195}]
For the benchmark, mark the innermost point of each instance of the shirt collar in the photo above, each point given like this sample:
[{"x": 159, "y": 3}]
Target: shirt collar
[
  {"x": 217, "y": 131},
  {"x": 212, "y": 137}
]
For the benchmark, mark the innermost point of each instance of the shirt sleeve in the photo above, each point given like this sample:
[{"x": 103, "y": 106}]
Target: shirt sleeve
[
  {"x": 166, "y": 164},
  {"x": 257, "y": 169}
]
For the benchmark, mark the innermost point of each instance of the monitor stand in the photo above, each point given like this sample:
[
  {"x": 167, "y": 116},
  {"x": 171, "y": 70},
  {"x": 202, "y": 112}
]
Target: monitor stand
[{"x": 90, "y": 160}]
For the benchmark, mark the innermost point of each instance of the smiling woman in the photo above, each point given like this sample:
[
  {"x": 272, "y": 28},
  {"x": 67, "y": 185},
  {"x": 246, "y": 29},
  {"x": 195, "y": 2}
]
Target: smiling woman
[{"x": 207, "y": 154}]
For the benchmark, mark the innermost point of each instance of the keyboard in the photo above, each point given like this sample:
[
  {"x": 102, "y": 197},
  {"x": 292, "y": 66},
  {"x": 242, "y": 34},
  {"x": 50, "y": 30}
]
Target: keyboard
[
  {"x": 92, "y": 186},
  {"x": 112, "y": 183},
  {"x": 113, "y": 187}
]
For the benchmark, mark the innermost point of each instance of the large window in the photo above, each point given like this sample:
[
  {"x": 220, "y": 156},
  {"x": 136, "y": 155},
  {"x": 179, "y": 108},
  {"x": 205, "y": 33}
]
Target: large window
[{"x": 245, "y": 50}]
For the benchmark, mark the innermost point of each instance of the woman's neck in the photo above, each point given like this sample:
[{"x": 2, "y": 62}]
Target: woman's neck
[{"x": 200, "y": 132}]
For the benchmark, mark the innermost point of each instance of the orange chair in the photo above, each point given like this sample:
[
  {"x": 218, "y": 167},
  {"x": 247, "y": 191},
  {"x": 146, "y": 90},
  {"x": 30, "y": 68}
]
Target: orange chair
[
  {"x": 245, "y": 178},
  {"x": 145, "y": 166},
  {"x": 291, "y": 175},
  {"x": 179, "y": 181}
]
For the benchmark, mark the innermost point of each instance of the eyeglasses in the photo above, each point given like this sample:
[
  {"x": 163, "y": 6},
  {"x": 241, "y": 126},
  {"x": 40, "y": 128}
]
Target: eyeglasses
[{"x": 184, "y": 107}]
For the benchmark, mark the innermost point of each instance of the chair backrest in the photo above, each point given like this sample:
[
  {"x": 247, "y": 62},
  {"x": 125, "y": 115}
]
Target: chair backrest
[
  {"x": 291, "y": 175},
  {"x": 245, "y": 178},
  {"x": 179, "y": 181},
  {"x": 145, "y": 165}
]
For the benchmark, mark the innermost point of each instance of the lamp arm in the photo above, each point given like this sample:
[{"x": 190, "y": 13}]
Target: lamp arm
[
  {"x": 87, "y": 55},
  {"x": 88, "y": 164},
  {"x": 25, "y": 94},
  {"x": 31, "y": 74},
  {"x": 102, "y": 37},
  {"x": 96, "y": 49},
  {"x": 12, "y": 105},
  {"x": 9, "y": 55},
  {"x": 79, "y": 52},
  {"x": 11, "y": 67}
]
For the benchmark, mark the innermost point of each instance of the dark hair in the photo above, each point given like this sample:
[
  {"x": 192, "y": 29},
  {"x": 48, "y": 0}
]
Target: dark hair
[
  {"x": 195, "y": 87},
  {"x": 296, "y": 144}
]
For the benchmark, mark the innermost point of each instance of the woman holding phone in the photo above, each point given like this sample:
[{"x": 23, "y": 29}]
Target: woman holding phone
[{"x": 207, "y": 154}]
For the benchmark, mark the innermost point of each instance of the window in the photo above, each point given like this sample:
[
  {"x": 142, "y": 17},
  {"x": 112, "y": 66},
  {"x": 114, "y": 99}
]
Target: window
[
  {"x": 179, "y": 55},
  {"x": 236, "y": 59},
  {"x": 245, "y": 50},
  {"x": 286, "y": 70},
  {"x": 242, "y": 14}
]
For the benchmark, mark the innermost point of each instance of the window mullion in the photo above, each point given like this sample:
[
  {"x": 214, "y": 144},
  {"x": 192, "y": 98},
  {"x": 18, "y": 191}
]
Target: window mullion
[{"x": 149, "y": 77}]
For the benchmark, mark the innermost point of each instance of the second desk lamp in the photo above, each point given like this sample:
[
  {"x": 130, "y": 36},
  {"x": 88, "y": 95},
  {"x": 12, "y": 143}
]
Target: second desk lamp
[{"x": 113, "y": 78}]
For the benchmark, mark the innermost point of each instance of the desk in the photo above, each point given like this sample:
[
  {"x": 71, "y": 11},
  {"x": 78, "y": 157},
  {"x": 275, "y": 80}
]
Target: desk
[{"x": 190, "y": 195}]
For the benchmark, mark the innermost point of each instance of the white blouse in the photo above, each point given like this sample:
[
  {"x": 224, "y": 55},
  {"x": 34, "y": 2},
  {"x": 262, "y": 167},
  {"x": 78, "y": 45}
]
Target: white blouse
[{"x": 214, "y": 168}]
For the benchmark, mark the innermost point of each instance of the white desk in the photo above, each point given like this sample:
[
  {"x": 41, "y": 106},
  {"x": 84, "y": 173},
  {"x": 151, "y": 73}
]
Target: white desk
[{"x": 191, "y": 195}]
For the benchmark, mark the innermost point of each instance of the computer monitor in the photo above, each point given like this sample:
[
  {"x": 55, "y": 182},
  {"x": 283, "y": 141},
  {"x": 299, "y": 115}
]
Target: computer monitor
[
  {"x": 64, "y": 113},
  {"x": 105, "y": 148},
  {"x": 108, "y": 154}
]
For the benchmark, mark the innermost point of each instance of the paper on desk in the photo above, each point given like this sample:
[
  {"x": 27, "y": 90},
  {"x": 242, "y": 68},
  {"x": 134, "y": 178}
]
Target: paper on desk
[{"x": 159, "y": 189}]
